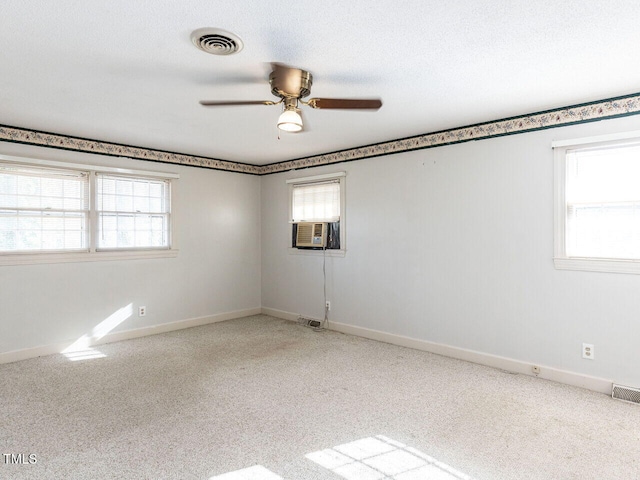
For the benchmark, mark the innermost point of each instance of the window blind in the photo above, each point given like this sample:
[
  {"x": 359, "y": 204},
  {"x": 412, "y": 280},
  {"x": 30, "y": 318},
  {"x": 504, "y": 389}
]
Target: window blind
[
  {"x": 43, "y": 209},
  {"x": 603, "y": 202},
  {"x": 316, "y": 202}
]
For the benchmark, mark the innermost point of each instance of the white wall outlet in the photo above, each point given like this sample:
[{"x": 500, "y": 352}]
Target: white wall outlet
[
  {"x": 535, "y": 369},
  {"x": 327, "y": 305},
  {"x": 142, "y": 311},
  {"x": 588, "y": 351}
]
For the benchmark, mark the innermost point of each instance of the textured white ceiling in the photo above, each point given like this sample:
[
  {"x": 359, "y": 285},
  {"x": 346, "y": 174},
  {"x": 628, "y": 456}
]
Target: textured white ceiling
[{"x": 126, "y": 71}]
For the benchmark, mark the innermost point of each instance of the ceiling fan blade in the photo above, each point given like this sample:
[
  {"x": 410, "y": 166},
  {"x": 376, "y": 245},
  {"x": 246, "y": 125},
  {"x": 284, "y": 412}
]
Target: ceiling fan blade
[
  {"x": 345, "y": 103},
  {"x": 226, "y": 103}
]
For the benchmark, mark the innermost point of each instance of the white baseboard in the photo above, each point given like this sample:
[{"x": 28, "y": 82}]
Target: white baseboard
[
  {"x": 517, "y": 366},
  {"x": 280, "y": 314},
  {"x": 503, "y": 363},
  {"x": 16, "y": 355}
]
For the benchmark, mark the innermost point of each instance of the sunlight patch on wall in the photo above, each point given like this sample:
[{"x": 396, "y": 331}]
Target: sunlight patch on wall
[
  {"x": 81, "y": 348},
  {"x": 111, "y": 322}
]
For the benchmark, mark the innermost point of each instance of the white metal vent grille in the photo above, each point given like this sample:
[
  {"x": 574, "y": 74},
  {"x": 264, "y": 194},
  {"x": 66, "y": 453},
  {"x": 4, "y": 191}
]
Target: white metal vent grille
[
  {"x": 305, "y": 232},
  {"x": 628, "y": 394},
  {"x": 216, "y": 41},
  {"x": 311, "y": 235}
]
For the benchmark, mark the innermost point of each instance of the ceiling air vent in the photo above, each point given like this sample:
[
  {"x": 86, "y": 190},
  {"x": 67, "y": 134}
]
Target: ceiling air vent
[{"x": 216, "y": 41}]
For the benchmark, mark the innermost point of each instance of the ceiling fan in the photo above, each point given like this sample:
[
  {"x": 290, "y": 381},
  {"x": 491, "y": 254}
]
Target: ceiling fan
[{"x": 291, "y": 85}]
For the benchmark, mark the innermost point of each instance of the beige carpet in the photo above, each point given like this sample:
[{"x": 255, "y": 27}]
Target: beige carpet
[{"x": 265, "y": 399}]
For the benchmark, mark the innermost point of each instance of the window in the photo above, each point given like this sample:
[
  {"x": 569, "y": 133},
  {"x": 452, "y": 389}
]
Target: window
[
  {"x": 598, "y": 204},
  {"x": 133, "y": 212},
  {"x": 51, "y": 211},
  {"x": 316, "y": 202},
  {"x": 43, "y": 209},
  {"x": 319, "y": 199}
]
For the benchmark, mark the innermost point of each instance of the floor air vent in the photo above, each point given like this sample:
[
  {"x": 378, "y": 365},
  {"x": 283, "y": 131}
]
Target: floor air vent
[
  {"x": 310, "y": 322},
  {"x": 627, "y": 394}
]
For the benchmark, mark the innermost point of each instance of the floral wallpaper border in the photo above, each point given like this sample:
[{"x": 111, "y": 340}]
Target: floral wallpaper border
[
  {"x": 611, "y": 108},
  {"x": 43, "y": 139},
  {"x": 589, "y": 112}
]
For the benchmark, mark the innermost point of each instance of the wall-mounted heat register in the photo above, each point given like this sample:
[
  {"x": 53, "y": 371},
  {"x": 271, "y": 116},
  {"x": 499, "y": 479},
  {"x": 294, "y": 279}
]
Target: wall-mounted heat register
[{"x": 311, "y": 234}]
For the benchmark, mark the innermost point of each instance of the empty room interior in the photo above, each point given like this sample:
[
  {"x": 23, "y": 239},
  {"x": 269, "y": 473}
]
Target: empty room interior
[{"x": 319, "y": 240}]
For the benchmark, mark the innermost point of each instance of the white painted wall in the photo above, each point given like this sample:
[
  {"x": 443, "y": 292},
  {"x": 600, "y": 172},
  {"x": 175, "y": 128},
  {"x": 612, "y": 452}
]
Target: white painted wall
[
  {"x": 217, "y": 225},
  {"x": 451, "y": 245},
  {"x": 454, "y": 245}
]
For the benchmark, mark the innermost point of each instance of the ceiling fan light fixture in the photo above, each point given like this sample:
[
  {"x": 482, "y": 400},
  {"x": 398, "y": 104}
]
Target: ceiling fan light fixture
[{"x": 290, "y": 120}]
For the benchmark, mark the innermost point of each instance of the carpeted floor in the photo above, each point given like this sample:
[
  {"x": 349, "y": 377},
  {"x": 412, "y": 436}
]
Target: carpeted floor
[{"x": 266, "y": 399}]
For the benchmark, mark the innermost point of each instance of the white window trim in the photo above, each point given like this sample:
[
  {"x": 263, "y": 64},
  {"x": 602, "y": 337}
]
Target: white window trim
[
  {"x": 343, "y": 235},
  {"x": 21, "y": 258},
  {"x": 561, "y": 260},
  {"x": 46, "y": 258},
  {"x": 83, "y": 166}
]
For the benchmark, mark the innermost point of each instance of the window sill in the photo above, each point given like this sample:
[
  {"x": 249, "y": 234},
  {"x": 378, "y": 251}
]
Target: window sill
[
  {"x": 317, "y": 253},
  {"x": 45, "y": 258},
  {"x": 608, "y": 265}
]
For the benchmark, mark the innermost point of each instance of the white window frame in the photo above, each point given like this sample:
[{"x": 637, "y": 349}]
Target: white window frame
[
  {"x": 92, "y": 254},
  {"x": 341, "y": 177},
  {"x": 561, "y": 260},
  {"x": 50, "y": 218},
  {"x": 100, "y": 210}
]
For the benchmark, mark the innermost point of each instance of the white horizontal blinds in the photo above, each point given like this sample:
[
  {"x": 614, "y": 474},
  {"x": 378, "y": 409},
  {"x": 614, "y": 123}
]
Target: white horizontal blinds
[
  {"x": 316, "y": 202},
  {"x": 43, "y": 209},
  {"x": 603, "y": 202},
  {"x": 133, "y": 212}
]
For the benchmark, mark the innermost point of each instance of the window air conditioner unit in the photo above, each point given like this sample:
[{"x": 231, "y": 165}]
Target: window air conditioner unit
[{"x": 311, "y": 234}]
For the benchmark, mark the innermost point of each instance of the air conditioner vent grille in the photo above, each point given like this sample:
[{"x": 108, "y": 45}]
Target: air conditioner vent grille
[
  {"x": 311, "y": 234},
  {"x": 628, "y": 394},
  {"x": 304, "y": 234}
]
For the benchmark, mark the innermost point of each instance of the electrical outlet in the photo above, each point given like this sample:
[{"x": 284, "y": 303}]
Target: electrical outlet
[
  {"x": 327, "y": 305},
  {"x": 588, "y": 351},
  {"x": 142, "y": 311},
  {"x": 535, "y": 369}
]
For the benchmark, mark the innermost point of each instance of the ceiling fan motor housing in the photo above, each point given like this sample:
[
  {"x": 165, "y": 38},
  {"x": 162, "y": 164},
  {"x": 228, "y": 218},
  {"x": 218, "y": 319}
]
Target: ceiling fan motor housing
[{"x": 295, "y": 84}]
